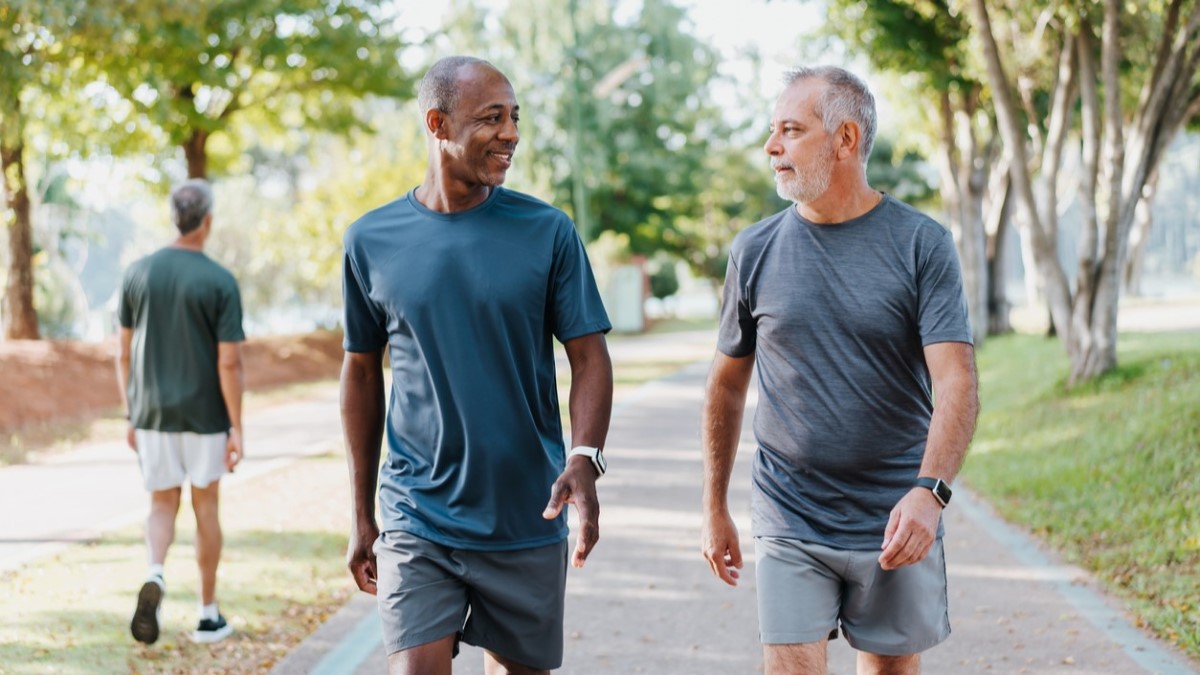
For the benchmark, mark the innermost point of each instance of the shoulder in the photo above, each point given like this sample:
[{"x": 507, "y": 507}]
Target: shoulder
[
  {"x": 754, "y": 239},
  {"x": 524, "y": 205},
  {"x": 375, "y": 219},
  {"x": 906, "y": 217}
]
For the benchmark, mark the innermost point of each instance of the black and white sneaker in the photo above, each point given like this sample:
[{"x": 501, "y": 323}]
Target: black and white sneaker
[
  {"x": 144, "y": 625},
  {"x": 210, "y": 630}
]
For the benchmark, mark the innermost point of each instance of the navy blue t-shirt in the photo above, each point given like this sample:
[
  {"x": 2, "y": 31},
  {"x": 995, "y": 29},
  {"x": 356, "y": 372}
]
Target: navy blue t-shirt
[
  {"x": 837, "y": 318},
  {"x": 467, "y": 304}
]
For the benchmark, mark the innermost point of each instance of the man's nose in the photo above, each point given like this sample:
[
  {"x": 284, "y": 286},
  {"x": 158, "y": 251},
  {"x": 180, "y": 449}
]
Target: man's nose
[
  {"x": 771, "y": 145},
  {"x": 509, "y": 132}
]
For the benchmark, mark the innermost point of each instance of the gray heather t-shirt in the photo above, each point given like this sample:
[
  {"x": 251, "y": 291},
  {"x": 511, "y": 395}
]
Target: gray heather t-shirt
[
  {"x": 468, "y": 305},
  {"x": 836, "y": 317},
  {"x": 180, "y": 304}
]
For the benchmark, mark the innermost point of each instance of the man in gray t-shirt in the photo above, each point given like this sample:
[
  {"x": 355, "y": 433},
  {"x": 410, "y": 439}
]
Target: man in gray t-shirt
[{"x": 851, "y": 307}]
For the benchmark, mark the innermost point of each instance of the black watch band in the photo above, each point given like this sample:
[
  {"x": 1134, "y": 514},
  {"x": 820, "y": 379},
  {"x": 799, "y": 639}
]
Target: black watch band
[{"x": 940, "y": 489}]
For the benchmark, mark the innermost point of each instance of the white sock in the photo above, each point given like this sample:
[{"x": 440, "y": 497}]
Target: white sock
[
  {"x": 156, "y": 570},
  {"x": 208, "y": 612}
]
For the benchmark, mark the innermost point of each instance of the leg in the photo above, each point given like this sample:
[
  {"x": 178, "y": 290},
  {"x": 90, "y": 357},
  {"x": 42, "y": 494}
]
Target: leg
[
  {"x": 876, "y": 664},
  {"x": 160, "y": 524},
  {"x": 801, "y": 659},
  {"x": 431, "y": 658},
  {"x": 208, "y": 538},
  {"x": 494, "y": 664}
]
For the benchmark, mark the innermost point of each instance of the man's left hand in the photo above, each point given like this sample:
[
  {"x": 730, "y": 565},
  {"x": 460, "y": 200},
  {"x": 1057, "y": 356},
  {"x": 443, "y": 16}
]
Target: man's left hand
[
  {"x": 911, "y": 529},
  {"x": 577, "y": 485},
  {"x": 233, "y": 449}
]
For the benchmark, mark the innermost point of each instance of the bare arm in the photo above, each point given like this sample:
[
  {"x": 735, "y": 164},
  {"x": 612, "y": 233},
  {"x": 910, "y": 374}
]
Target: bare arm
[
  {"x": 912, "y": 527},
  {"x": 124, "y": 348},
  {"x": 233, "y": 385},
  {"x": 362, "y": 405},
  {"x": 721, "y": 428},
  {"x": 590, "y": 410}
]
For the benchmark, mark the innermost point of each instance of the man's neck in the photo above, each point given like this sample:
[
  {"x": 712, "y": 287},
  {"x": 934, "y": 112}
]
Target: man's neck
[
  {"x": 189, "y": 242},
  {"x": 446, "y": 195},
  {"x": 840, "y": 205}
]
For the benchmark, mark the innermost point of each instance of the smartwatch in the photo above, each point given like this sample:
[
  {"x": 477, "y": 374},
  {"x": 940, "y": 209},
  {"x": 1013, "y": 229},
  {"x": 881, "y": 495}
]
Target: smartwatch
[
  {"x": 940, "y": 489},
  {"x": 594, "y": 454}
]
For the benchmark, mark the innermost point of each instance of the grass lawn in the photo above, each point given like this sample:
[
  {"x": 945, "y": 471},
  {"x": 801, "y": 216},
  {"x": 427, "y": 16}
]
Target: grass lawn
[
  {"x": 282, "y": 574},
  {"x": 1107, "y": 473}
]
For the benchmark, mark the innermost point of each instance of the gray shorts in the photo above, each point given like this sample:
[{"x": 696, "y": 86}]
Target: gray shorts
[
  {"x": 507, "y": 602},
  {"x": 805, "y": 590}
]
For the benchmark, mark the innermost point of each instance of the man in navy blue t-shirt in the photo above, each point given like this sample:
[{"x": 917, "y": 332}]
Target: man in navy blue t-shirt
[{"x": 466, "y": 284}]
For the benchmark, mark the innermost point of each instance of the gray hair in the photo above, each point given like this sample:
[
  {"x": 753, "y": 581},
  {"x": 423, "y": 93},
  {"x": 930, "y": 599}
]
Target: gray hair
[
  {"x": 847, "y": 98},
  {"x": 191, "y": 201},
  {"x": 439, "y": 88}
]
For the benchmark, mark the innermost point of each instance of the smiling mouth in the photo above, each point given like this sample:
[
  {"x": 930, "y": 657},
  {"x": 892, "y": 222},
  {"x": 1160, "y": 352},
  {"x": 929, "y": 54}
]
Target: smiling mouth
[{"x": 505, "y": 158}]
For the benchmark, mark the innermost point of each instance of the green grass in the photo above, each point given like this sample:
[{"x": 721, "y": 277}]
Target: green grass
[
  {"x": 1108, "y": 472},
  {"x": 282, "y": 574}
]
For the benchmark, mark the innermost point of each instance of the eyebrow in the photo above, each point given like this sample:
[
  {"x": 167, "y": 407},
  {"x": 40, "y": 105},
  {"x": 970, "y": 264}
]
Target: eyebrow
[{"x": 498, "y": 106}]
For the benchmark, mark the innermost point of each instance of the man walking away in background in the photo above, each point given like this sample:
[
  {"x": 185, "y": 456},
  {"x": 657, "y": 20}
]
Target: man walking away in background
[
  {"x": 850, "y": 308},
  {"x": 179, "y": 367}
]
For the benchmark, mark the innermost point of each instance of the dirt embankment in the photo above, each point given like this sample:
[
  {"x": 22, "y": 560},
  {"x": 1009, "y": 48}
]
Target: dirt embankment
[{"x": 49, "y": 382}]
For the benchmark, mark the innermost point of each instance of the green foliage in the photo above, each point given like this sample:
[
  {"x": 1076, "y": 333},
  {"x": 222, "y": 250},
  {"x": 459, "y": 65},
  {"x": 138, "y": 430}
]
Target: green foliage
[
  {"x": 1107, "y": 472},
  {"x": 899, "y": 174},
  {"x": 188, "y": 68},
  {"x": 622, "y": 120},
  {"x": 664, "y": 282}
]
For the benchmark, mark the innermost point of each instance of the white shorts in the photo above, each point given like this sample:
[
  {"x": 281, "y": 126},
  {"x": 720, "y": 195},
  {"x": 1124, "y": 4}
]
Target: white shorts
[{"x": 168, "y": 458}]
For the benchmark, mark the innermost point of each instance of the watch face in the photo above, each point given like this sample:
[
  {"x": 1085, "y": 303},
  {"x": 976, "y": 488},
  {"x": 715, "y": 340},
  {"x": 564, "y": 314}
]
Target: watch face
[{"x": 943, "y": 492}]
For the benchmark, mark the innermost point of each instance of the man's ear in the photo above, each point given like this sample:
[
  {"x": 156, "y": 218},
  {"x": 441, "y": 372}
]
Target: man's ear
[
  {"x": 848, "y": 138},
  {"x": 435, "y": 122}
]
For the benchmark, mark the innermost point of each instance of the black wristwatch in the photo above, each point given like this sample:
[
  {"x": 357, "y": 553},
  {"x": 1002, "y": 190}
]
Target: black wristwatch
[{"x": 940, "y": 489}]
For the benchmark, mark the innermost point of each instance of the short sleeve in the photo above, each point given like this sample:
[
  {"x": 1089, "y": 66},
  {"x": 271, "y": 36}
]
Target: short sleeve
[
  {"x": 364, "y": 325},
  {"x": 124, "y": 306},
  {"x": 942, "y": 304},
  {"x": 577, "y": 307},
  {"x": 229, "y": 324},
  {"x": 737, "y": 334}
]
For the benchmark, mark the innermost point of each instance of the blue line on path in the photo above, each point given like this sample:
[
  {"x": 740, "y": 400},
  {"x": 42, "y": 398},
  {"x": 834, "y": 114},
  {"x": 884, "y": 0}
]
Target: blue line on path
[
  {"x": 350, "y": 653},
  {"x": 1137, "y": 646}
]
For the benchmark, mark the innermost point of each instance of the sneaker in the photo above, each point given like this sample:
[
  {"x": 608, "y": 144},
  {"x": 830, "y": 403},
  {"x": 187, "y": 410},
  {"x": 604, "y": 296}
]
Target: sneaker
[
  {"x": 145, "y": 618},
  {"x": 211, "y": 630}
]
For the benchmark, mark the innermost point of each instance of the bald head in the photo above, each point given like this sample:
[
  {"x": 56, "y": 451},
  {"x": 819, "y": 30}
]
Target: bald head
[{"x": 439, "y": 88}]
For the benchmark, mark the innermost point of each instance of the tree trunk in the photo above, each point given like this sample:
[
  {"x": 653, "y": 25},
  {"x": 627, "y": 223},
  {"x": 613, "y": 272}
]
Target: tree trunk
[
  {"x": 1143, "y": 219},
  {"x": 998, "y": 221},
  {"x": 21, "y": 320},
  {"x": 196, "y": 154},
  {"x": 1053, "y": 280},
  {"x": 962, "y": 199}
]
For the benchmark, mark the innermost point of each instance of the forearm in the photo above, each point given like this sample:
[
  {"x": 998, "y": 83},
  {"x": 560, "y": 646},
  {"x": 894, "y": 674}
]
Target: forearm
[
  {"x": 951, "y": 428},
  {"x": 233, "y": 386},
  {"x": 590, "y": 403},
  {"x": 721, "y": 427},
  {"x": 363, "y": 416}
]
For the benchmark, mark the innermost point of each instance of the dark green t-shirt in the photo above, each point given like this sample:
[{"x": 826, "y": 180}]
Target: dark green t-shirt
[{"x": 180, "y": 304}]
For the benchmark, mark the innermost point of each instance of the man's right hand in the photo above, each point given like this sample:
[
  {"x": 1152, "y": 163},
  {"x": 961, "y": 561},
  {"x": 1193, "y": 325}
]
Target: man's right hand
[
  {"x": 360, "y": 556},
  {"x": 719, "y": 544},
  {"x": 131, "y": 437}
]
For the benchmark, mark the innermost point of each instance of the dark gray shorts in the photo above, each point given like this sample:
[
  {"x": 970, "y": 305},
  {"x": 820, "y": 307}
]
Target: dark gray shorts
[
  {"x": 507, "y": 602},
  {"x": 805, "y": 590}
]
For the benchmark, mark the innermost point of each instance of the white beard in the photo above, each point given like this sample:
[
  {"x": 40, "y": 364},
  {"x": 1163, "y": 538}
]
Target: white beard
[{"x": 806, "y": 184}]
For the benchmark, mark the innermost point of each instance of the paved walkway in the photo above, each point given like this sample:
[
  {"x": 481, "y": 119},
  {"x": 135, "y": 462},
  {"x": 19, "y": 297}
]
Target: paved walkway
[{"x": 646, "y": 601}]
